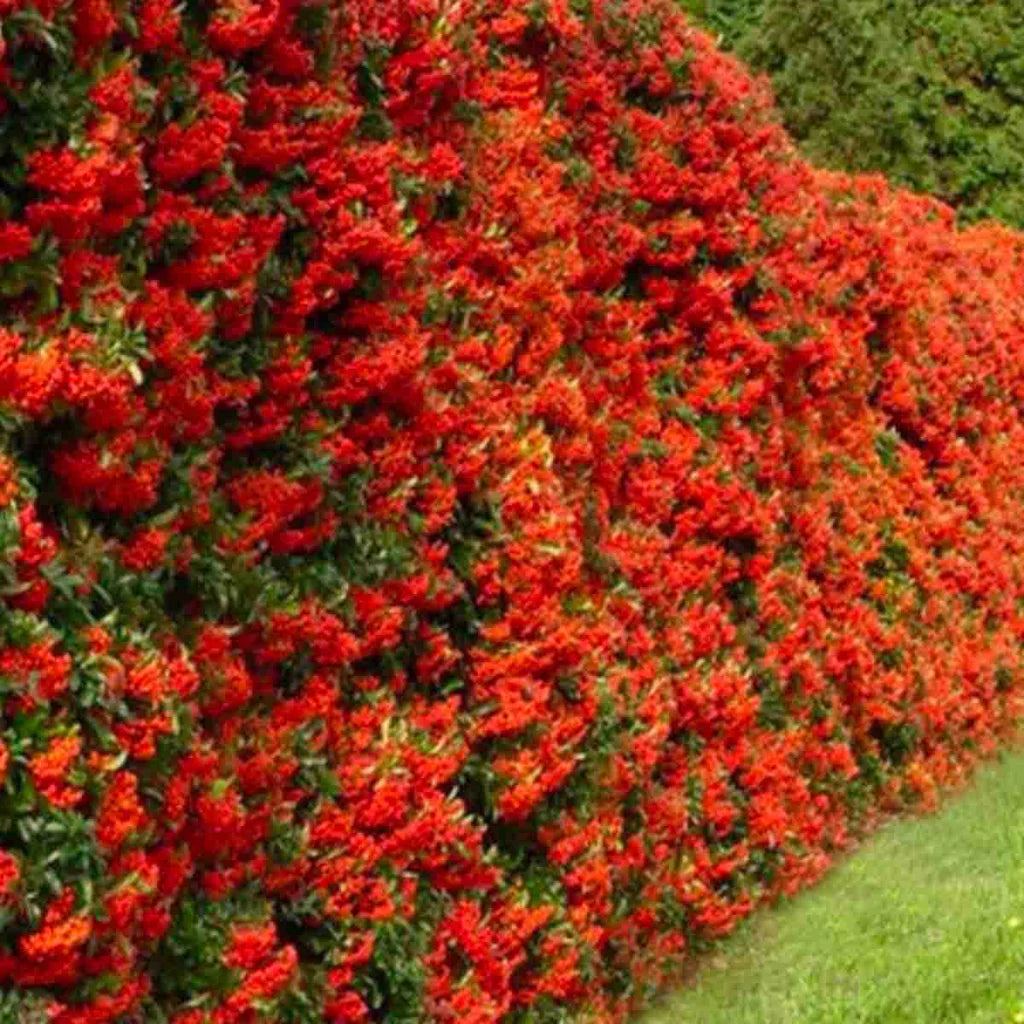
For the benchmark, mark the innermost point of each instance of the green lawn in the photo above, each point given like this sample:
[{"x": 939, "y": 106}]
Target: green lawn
[{"x": 923, "y": 925}]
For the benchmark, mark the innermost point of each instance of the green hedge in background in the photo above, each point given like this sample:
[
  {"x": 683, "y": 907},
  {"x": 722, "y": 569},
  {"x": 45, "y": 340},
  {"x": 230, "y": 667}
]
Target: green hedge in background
[{"x": 929, "y": 93}]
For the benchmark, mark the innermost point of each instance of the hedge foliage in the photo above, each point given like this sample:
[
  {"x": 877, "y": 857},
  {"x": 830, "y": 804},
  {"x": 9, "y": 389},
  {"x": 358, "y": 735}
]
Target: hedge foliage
[
  {"x": 931, "y": 94},
  {"x": 479, "y": 514}
]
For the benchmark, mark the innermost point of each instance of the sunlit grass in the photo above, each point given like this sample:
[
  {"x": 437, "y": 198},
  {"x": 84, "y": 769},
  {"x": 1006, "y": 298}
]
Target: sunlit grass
[{"x": 923, "y": 925}]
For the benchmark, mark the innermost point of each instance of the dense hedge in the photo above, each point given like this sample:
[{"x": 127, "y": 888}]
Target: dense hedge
[
  {"x": 480, "y": 514},
  {"x": 931, "y": 94}
]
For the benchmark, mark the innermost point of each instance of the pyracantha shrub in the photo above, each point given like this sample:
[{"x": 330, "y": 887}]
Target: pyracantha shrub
[{"x": 479, "y": 514}]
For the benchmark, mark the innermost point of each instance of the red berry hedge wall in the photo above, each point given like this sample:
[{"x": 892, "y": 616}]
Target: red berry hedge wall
[{"x": 479, "y": 514}]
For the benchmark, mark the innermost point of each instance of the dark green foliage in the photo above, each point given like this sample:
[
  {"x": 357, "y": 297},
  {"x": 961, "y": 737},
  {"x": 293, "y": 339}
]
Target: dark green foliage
[
  {"x": 731, "y": 19},
  {"x": 928, "y": 93}
]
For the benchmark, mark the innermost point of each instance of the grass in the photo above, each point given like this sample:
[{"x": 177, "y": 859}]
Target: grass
[{"x": 923, "y": 925}]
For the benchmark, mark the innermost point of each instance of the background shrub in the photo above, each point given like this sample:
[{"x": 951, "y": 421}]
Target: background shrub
[{"x": 929, "y": 94}]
